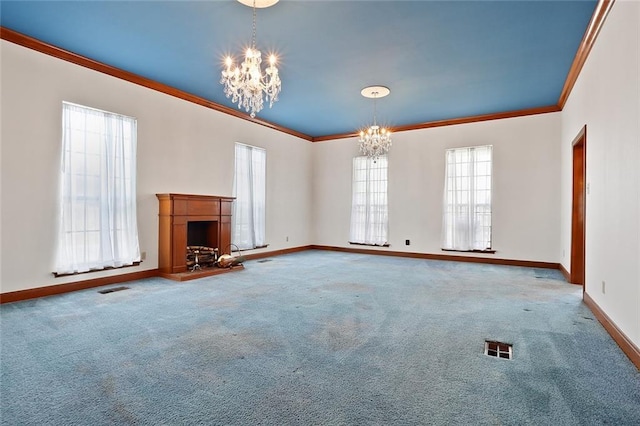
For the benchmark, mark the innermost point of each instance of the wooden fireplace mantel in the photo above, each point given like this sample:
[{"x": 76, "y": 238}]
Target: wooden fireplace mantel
[{"x": 175, "y": 212}]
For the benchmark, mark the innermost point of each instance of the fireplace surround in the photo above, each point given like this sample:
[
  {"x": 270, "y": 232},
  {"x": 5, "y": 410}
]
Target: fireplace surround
[{"x": 191, "y": 220}]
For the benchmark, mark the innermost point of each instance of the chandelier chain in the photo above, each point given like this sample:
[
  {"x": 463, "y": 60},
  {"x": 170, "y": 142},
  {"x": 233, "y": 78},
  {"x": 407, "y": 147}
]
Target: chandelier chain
[
  {"x": 375, "y": 107},
  {"x": 253, "y": 34}
]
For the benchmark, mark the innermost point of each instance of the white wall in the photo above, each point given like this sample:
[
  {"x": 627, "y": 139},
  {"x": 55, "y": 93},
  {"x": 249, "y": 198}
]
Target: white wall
[
  {"x": 606, "y": 98},
  {"x": 526, "y": 196},
  {"x": 182, "y": 148}
]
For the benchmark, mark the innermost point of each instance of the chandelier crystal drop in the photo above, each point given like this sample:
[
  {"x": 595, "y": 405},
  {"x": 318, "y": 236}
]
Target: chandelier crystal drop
[
  {"x": 375, "y": 141},
  {"x": 246, "y": 84}
]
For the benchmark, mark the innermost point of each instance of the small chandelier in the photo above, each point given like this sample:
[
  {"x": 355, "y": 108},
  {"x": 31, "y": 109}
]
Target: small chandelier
[
  {"x": 246, "y": 83},
  {"x": 375, "y": 141}
]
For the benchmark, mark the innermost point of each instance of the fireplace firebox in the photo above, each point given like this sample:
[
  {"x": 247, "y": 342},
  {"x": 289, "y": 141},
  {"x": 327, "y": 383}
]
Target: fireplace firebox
[{"x": 202, "y": 233}]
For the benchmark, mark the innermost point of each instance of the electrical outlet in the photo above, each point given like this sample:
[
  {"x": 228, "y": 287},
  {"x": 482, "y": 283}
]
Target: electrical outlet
[
  {"x": 143, "y": 255},
  {"x": 603, "y": 284},
  {"x": 287, "y": 238},
  {"x": 407, "y": 242},
  {"x": 563, "y": 253}
]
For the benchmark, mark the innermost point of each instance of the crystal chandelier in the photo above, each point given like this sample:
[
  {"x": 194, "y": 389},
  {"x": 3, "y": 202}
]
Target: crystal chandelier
[
  {"x": 245, "y": 84},
  {"x": 375, "y": 141}
]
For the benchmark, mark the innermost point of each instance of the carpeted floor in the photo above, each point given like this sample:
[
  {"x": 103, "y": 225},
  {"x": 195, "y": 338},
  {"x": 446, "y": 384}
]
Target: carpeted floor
[{"x": 318, "y": 338}]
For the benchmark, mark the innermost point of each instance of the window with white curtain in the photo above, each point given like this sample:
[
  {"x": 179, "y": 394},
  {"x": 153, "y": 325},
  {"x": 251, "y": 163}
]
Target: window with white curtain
[
  {"x": 249, "y": 188},
  {"x": 369, "y": 211},
  {"x": 467, "y": 199},
  {"x": 98, "y": 227}
]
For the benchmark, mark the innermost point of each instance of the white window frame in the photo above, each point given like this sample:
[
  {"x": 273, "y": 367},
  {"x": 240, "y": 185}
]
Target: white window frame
[
  {"x": 248, "y": 218},
  {"x": 98, "y": 213},
  {"x": 467, "y": 206},
  {"x": 369, "y": 201}
]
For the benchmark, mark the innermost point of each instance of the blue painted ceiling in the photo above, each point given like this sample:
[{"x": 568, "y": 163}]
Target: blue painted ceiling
[{"x": 441, "y": 59}]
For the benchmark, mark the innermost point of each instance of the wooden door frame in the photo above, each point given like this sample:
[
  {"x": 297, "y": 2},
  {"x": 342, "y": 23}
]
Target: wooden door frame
[{"x": 578, "y": 208}]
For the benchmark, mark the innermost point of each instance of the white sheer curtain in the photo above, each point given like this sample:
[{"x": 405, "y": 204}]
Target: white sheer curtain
[
  {"x": 467, "y": 199},
  {"x": 249, "y": 188},
  {"x": 369, "y": 211},
  {"x": 98, "y": 226}
]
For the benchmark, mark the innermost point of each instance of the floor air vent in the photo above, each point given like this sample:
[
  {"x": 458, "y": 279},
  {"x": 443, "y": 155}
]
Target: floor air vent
[
  {"x": 498, "y": 349},
  {"x": 264, "y": 260},
  {"x": 113, "y": 289}
]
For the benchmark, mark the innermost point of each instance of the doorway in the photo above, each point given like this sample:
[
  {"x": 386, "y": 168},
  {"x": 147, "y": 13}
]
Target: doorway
[{"x": 578, "y": 208}]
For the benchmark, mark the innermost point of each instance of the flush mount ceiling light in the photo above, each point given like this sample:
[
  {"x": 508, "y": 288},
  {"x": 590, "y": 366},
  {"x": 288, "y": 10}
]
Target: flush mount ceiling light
[
  {"x": 245, "y": 84},
  {"x": 375, "y": 141}
]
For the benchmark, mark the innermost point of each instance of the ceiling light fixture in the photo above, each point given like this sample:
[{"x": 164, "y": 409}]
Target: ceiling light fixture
[
  {"x": 245, "y": 84},
  {"x": 375, "y": 141}
]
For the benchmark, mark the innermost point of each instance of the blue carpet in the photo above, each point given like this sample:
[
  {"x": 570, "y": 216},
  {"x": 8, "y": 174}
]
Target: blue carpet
[{"x": 318, "y": 338}]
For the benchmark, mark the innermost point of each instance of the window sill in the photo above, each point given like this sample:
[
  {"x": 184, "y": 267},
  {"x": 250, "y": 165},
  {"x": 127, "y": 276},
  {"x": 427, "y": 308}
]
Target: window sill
[
  {"x": 107, "y": 268},
  {"x": 247, "y": 249},
  {"x": 488, "y": 251},
  {"x": 369, "y": 245}
]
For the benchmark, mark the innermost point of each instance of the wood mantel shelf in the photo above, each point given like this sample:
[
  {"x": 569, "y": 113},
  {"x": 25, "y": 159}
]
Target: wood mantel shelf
[{"x": 175, "y": 213}]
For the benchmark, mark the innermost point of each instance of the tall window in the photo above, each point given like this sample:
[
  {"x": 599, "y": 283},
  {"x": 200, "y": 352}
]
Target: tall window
[
  {"x": 467, "y": 199},
  {"x": 249, "y": 188},
  {"x": 98, "y": 191},
  {"x": 369, "y": 212}
]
